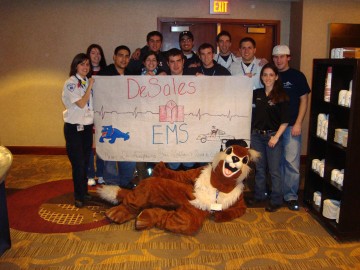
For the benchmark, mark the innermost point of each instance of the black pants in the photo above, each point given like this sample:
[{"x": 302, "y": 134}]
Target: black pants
[{"x": 78, "y": 147}]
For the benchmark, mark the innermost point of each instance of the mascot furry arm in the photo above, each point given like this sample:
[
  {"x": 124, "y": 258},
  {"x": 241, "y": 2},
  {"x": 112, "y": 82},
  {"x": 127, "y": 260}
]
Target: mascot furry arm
[{"x": 180, "y": 201}]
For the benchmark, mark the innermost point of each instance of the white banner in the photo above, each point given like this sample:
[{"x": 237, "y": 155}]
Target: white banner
[{"x": 169, "y": 118}]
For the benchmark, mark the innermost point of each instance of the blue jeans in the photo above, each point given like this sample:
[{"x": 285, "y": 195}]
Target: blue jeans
[
  {"x": 91, "y": 173},
  {"x": 270, "y": 159},
  {"x": 290, "y": 165},
  {"x": 176, "y": 165},
  {"x": 119, "y": 173}
]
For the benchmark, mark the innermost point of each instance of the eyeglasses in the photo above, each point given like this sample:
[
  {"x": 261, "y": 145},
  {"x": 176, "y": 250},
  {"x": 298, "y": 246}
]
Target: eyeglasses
[{"x": 186, "y": 40}]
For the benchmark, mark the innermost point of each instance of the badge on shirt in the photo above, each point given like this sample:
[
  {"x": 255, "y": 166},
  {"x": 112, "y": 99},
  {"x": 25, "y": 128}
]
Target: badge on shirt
[
  {"x": 80, "y": 127},
  {"x": 216, "y": 207},
  {"x": 71, "y": 87}
]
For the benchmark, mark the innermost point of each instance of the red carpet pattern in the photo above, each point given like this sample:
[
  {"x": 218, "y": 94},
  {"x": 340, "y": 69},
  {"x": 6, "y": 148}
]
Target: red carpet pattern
[{"x": 49, "y": 208}]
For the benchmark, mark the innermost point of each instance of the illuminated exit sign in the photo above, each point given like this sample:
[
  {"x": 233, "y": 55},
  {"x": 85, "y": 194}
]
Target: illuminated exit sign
[{"x": 219, "y": 7}]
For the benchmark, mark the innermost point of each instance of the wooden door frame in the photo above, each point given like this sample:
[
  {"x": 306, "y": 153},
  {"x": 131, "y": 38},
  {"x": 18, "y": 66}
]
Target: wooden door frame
[{"x": 246, "y": 22}]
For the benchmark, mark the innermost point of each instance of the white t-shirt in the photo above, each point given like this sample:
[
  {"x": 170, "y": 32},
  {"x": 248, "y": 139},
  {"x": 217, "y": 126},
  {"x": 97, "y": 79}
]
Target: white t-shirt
[
  {"x": 226, "y": 64},
  {"x": 74, "y": 88},
  {"x": 238, "y": 67}
]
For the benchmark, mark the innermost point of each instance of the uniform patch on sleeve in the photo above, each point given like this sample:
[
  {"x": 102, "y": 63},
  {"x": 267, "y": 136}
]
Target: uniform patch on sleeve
[{"x": 71, "y": 87}]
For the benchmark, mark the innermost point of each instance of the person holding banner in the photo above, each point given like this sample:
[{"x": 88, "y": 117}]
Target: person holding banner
[
  {"x": 78, "y": 124},
  {"x": 176, "y": 61},
  {"x": 186, "y": 43},
  {"x": 150, "y": 63},
  {"x": 154, "y": 41},
  {"x": 270, "y": 119},
  {"x": 248, "y": 64},
  {"x": 225, "y": 57},
  {"x": 151, "y": 67},
  {"x": 208, "y": 65},
  {"x": 119, "y": 172},
  {"x": 98, "y": 62}
]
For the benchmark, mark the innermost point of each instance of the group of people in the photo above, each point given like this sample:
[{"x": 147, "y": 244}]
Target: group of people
[{"x": 279, "y": 106}]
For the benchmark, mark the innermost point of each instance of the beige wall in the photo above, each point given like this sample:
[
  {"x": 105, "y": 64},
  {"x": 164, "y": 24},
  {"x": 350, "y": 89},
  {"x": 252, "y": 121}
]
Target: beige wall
[
  {"x": 40, "y": 38},
  {"x": 317, "y": 15}
]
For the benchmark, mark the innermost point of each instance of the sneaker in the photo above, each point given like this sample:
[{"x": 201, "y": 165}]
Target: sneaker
[
  {"x": 293, "y": 205},
  {"x": 91, "y": 182},
  {"x": 101, "y": 181}
]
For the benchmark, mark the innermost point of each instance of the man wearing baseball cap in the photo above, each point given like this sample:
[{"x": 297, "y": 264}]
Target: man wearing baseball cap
[
  {"x": 297, "y": 88},
  {"x": 186, "y": 43}
]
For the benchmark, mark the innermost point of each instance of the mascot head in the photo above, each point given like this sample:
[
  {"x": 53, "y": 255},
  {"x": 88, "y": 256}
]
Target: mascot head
[{"x": 231, "y": 167}]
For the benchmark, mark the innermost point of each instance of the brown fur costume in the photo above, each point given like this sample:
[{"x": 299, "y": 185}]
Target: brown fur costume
[{"x": 179, "y": 201}]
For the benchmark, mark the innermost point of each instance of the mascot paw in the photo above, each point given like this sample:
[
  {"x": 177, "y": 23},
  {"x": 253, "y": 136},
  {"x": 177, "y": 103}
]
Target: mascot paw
[
  {"x": 144, "y": 221},
  {"x": 119, "y": 214}
]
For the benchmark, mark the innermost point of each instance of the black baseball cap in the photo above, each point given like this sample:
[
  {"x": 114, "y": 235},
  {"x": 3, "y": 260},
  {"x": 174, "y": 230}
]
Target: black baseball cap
[{"x": 186, "y": 33}]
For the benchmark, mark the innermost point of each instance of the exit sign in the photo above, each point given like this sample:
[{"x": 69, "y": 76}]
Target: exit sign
[{"x": 219, "y": 7}]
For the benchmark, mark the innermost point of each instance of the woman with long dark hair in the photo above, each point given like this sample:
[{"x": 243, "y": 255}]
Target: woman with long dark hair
[
  {"x": 270, "y": 119},
  {"x": 98, "y": 62},
  {"x": 78, "y": 126},
  {"x": 97, "y": 58}
]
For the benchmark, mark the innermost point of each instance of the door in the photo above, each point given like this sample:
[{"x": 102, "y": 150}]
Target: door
[
  {"x": 264, "y": 41},
  {"x": 205, "y": 30}
]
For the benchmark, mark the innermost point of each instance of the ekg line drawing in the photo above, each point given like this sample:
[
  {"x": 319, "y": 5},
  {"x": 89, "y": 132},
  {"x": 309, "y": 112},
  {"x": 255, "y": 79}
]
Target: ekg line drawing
[
  {"x": 228, "y": 115},
  {"x": 197, "y": 114},
  {"x": 134, "y": 113}
]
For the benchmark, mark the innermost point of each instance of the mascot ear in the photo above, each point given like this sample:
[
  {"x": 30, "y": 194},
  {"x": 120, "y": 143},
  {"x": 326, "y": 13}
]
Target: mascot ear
[{"x": 254, "y": 155}]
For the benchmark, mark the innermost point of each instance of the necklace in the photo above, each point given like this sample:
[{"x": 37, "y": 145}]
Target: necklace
[{"x": 207, "y": 74}]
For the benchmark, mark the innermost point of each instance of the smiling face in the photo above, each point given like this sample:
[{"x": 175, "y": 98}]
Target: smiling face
[
  {"x": 281, "y": 62},
  {"x": 233, "y": 163},
  {"x": 95, "y": 57},
  {"x": 268, "y": 78},
  {"x": 230, "y": 168},
  {"x": 224, "y": 44},
  {"x": 83, "y": 68},
  {"x": 206, "y": 57},
  {"x": 186, "y": 44},
  {"x": 154, "y": 43},
  {"x": 121, "y": 59},
  {"x": 176, "y": 64},
  {"x": 150, "y": 63},
  {"x": 247, "y": 51}
]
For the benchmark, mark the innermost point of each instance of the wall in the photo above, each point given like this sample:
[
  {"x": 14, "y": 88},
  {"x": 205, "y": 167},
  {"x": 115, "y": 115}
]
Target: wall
[
  {"x": 40, "y": 38},
  {"x": 317, "y": 15}
]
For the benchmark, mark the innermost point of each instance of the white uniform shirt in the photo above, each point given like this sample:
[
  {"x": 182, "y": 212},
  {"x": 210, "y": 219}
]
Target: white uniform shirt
[
  {"x": 74, "y": 88},
  {"x": 238, "y": 67},
  {"x": 226, "y": 64}
]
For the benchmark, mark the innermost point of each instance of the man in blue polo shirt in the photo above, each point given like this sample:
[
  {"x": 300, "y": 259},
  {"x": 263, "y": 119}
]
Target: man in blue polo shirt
[{"x": 297, "y": 88}]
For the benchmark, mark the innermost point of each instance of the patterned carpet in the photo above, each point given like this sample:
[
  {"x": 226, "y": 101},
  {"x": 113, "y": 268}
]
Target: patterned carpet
[{"x": 256, "y": 241}]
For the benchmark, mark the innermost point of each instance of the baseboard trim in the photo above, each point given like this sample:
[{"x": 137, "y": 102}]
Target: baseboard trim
[
  {"x": 46, "y": 150},
  {"x": 36, "y": 150}
]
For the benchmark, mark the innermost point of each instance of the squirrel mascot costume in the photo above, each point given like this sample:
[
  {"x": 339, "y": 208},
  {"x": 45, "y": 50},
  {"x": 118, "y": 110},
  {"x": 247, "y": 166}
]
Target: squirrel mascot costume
[{"x": 180, "y": 201}]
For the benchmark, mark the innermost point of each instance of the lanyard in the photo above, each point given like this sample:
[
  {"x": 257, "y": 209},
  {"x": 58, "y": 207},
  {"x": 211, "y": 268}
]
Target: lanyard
[
  {"x": 206, "y": 74},
  {"x": 226, "y": 63},
  {"x": 217, "y": 195},
  {"x": 251, "y": 70},
  {"x": 83, "y": 86}
]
